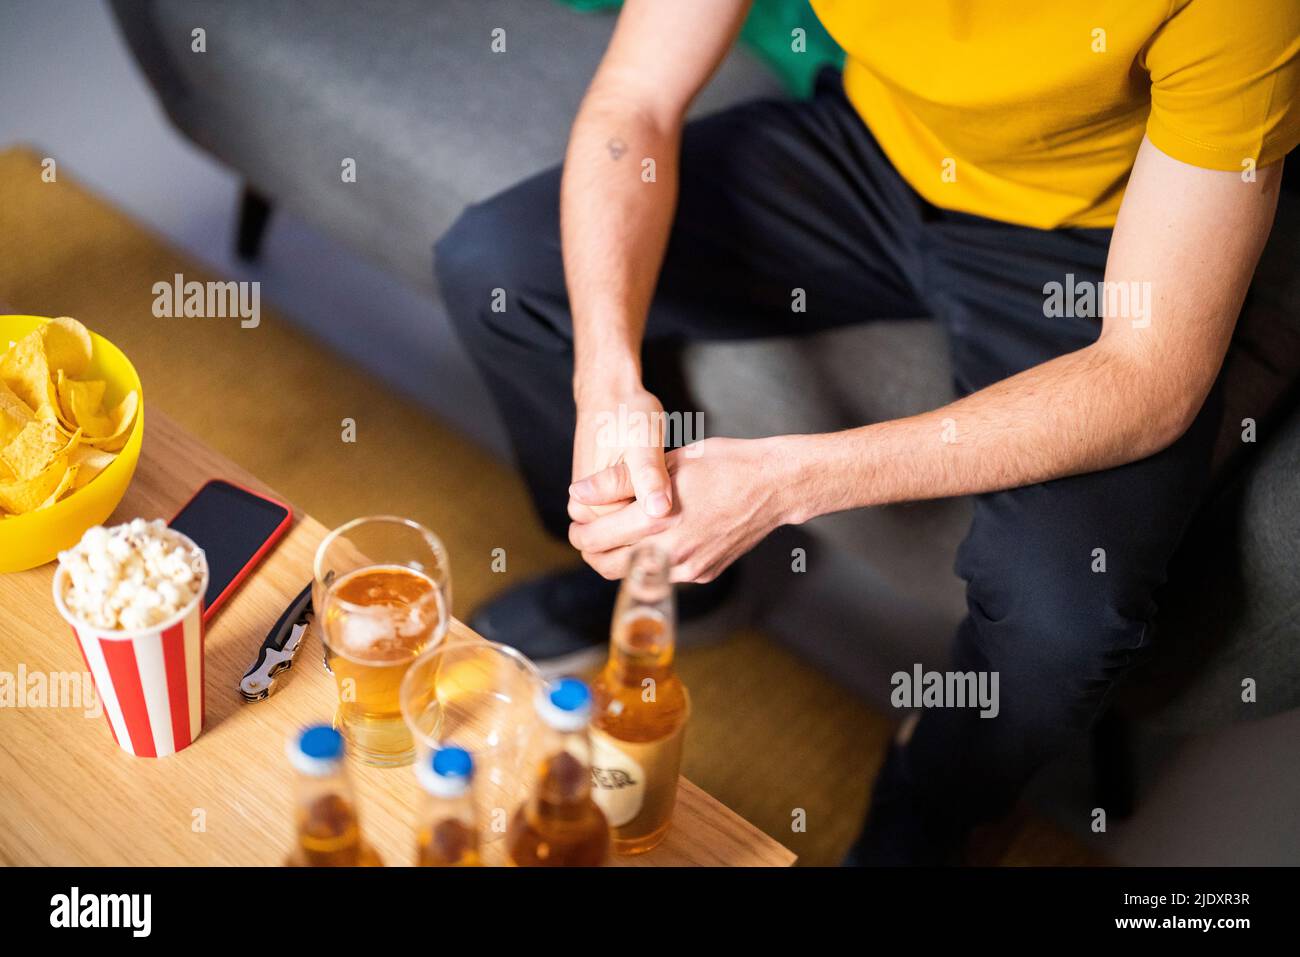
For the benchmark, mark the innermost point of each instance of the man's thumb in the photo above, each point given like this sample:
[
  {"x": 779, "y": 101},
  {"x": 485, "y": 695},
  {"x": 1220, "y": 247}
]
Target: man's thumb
[{"x": 650, "y": 481}]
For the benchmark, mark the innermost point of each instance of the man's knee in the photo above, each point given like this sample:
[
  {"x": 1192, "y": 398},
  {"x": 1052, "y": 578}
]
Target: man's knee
[
  {"x": 500, "y": 252},
  {"x": 468, "y": 261},
  {"x": 1058, "y": 632}
]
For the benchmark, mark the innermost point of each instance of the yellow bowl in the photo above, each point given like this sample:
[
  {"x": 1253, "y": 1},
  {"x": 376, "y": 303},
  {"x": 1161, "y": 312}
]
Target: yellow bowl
[{"x": 37, "y": 537}]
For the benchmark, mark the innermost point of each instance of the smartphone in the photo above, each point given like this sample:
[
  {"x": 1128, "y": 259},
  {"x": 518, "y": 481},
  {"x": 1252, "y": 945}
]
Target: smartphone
[{"x": 236, "y": 528}]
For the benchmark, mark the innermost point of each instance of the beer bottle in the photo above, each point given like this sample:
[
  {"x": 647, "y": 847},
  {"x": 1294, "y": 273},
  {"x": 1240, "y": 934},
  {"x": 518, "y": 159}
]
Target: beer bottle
[
  {"x": 640, "y": 708},
  {"x": 448, "y": 832},
  {"x": 329, "y": 833},
  {"x": 558, "y": 824}
]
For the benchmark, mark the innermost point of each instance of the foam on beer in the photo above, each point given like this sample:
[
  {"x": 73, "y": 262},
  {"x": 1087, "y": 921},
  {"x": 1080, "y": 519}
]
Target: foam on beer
[{"x": 131, "y": 576}]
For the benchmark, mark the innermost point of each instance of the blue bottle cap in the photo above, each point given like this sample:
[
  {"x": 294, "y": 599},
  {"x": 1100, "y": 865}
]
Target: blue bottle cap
[
  {"x": 453, "y": 762},
  {"x": 565, "y": 704},
  {"x": 318, "y": 750},
  {"x": 570, "y": 694},
  {"x": 446, "y": 772}
]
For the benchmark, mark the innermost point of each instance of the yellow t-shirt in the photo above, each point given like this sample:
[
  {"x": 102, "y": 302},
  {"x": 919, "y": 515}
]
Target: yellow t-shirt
[{"x": 1031, "y": 111}]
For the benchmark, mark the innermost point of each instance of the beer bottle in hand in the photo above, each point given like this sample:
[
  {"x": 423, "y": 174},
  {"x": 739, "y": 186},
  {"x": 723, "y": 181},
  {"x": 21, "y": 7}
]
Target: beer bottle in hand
[
  {"x": 639, "y": 709},
  {"x": 558, "y": 824},
  {"x": 329, "y": 832},
  {"x": 448, "y": 832}
]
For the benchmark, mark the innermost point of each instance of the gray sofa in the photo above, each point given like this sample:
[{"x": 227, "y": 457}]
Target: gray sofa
[{"x": 435, "y": 120}]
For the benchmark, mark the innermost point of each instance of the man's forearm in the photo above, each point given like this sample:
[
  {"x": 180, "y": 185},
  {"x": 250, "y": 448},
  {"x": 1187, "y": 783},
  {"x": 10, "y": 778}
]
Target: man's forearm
[
  {"x": 619, "y": 189},
  {"x": 614, "y": 224},
  {"x": 1088, "y": 410}
]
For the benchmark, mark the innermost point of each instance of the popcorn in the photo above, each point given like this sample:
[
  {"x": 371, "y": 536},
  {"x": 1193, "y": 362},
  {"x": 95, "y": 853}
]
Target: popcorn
[{"x": 132, "y": 576}]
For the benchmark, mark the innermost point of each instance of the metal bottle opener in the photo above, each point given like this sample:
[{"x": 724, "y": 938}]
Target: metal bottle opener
[{"x": 279, "y": 648}]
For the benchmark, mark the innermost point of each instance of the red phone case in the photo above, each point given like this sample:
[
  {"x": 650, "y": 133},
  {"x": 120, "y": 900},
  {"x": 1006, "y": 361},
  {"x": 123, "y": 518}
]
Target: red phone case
[{"x": 258, "y": 555}]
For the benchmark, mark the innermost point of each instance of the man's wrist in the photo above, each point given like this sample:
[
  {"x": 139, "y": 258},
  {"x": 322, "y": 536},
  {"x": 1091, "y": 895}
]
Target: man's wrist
[
  {"x": 797, "y": 478},
  {"x": 599, "y": 379}
]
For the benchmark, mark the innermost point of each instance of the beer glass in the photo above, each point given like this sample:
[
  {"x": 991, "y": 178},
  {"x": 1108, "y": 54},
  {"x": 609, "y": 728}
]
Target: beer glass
[
  {"x": 477, "y": 695},
  {"x": 382, "y": 594}
]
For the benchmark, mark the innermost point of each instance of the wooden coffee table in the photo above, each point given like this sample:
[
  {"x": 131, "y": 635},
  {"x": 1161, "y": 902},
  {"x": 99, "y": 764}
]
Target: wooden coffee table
[{"x": 70, "y": 796}]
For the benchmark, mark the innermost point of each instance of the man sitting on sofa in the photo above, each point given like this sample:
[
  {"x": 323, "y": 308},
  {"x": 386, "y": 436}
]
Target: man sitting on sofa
[{"x": 1079, "y": 195}]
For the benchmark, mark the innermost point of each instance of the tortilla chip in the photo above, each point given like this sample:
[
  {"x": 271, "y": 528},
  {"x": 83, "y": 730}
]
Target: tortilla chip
[
  {"x": 33, "y": 448},
  {"x": 61, "y": 393},
  {"x": 14, "y": 414},
  {"x": 65, "y": 483},
  {"x": 25, "y": 495},
  {"x": 25, "y": 370},
  {"x": 123, "y": 416},
  {"x": 82, "y": 405},
  {"x": 67, "y": 345},
  {"x": 89, "y": 462}
]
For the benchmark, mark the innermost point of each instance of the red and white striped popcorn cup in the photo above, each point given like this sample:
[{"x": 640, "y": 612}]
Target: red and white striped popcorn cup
[{"x": 150, "y": 680}]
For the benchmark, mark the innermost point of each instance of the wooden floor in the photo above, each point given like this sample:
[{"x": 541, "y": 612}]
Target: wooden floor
[{"x": 770, "y": 736}]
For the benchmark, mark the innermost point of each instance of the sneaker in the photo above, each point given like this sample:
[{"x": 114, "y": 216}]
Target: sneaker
[
  {"x": 561, "y": 620},
  {"x": 898, "y": 832}
]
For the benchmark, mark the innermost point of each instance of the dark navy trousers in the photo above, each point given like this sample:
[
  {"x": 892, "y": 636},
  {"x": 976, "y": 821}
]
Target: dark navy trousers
[{"x": 778, "y": 195}]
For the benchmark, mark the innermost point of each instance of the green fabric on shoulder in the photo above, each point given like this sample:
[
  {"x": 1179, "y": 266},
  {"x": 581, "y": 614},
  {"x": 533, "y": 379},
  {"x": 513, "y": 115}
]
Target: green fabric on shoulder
[{"x": 770, "y": 32}]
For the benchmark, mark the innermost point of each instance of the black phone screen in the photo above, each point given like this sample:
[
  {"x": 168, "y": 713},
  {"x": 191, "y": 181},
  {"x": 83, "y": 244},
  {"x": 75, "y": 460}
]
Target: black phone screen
[{"x": 230, "y": 525}]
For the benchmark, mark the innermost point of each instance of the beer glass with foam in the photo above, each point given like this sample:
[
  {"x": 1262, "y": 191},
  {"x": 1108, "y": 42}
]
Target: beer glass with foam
[{"x": 382, "y": 595}]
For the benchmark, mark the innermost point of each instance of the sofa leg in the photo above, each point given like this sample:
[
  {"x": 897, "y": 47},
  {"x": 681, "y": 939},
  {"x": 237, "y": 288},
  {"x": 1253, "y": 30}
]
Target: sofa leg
[
  {"x": 254, "y": 213},
  {"x": 1113, "y": 772}
]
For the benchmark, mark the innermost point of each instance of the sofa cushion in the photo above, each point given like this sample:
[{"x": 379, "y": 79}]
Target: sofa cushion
[
  {"x": 411, "y": 90},
  {"x": 1232, "y": 608},
  {"x": 837, "y": 380}
]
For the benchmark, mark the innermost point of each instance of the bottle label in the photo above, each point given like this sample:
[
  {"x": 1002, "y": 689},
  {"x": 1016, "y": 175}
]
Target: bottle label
[
  {"x": 618, "y": 780},
  {"x": 634, "y": 781}
]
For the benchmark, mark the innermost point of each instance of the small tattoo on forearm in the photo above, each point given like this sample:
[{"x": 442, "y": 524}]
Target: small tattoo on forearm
[{"x": 616, "y": 148}]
